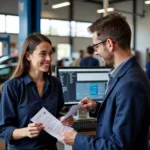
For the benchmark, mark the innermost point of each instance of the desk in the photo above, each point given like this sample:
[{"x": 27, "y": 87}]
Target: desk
[{"x": 67, "y": 147}]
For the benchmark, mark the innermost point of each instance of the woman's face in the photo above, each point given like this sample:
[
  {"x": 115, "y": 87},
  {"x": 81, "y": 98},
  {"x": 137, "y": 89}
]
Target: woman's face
[{"x": 40, "y": 59}]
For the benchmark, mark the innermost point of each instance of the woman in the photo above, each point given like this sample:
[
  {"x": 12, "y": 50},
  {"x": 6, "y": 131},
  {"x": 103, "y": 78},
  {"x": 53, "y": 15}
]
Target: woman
[{"x": 30, "y": 88}]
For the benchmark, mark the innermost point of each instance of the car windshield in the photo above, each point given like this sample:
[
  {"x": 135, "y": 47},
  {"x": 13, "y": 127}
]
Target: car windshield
[{"x": 3, "y": 58}]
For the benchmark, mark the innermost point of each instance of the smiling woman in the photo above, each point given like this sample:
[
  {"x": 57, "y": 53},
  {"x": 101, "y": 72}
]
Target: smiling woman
[
  {"x": 40, "y": 58},
  {"x": 34, "y": 48},
  {"x": 30, "y": 88}
]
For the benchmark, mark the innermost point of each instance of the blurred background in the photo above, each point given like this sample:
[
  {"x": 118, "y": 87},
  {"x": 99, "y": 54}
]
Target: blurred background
[{"x": 66, "y": 23}]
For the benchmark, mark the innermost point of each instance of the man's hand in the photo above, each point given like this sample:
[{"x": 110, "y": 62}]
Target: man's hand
[
  {"x": 68, "y": 121},
  {"x": 33, "y": 130},
  {"x": 68, "y": 137},
  {"x": 87, "y": 104}
]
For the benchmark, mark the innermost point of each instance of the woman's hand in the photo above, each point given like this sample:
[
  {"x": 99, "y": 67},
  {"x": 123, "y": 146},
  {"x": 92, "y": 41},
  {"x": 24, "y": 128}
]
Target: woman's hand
[{"x": 33, "y": 130}]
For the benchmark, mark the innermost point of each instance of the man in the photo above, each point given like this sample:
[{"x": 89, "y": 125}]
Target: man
[
  {"x": 89, "y": 60},
  {"x": 77, "y": 61},
  {"x": 148, "y": 69},
  {"x": 123, "y": 117}
]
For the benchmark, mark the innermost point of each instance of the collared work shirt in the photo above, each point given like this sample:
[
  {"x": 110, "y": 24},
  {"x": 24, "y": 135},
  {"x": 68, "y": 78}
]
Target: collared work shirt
[
  {"x": 20, "y": 101},
  {"x": 113, "y": 72}
]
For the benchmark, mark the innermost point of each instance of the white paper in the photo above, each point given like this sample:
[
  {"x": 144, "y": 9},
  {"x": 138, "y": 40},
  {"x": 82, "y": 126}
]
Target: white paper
[
  {"x": 52, "y": 125},
  {"x": 71, "y": 112}
]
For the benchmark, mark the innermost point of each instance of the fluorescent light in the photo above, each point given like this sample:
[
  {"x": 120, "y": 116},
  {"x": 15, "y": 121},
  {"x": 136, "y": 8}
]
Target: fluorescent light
[
  {"x": 102, "y": 10},
  {"x": 61, "y": 5},
  {"x": 147, "y": 2}
]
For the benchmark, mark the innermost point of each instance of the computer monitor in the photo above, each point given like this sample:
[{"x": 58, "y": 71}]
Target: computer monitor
[{"x": 80, "y": 82}]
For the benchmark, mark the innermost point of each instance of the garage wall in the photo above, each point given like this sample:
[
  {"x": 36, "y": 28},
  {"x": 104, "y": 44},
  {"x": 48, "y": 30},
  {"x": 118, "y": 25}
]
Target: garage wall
[{"x": 87, "y": 12}]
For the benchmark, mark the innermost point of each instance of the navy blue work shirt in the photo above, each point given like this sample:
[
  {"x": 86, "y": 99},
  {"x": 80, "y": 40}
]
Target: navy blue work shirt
[
  {"x": 89, "y": 61},
  {"x": 148, "y": 69},
  {"x": 20, "y": 102}
]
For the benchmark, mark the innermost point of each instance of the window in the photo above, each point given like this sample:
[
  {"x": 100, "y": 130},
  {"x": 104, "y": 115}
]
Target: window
[
  {"x": 60, "y": 28},
  {"x": 3, "y": 23},
  {"x": 5, "y": 71},
  {"x": 45, "y": 26},
  {"x": 82, "y": 29},
  {"x": 73, "y": 28},
  {"x": 63, "y": 51},
  {"x": 10, "y": 60},
  {"x": 12, "y": 24},
  {"x": 1, "y": 49}
]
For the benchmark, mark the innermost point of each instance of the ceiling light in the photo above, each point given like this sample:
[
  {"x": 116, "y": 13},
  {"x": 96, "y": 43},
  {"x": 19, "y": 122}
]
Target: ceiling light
[
  {"x": 147, "y": 2},
  {"x": 102, "y": 10},
  {"x": 61, "y": 5}
]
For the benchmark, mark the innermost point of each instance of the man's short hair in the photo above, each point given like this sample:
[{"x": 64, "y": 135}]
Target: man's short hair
[
  {"x": 81, "y": 51},
  {"x": 113, "y": 26},
  {"x": 90, "y": 50}
]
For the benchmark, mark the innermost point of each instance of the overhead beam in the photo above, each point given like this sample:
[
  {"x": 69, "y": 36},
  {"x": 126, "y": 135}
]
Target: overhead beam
[
  {"x": 105, "y": 6},
  {"x": 131, "y": 13},
  {"x": 118, "y": 1},
  {"x": 110, "y": 2},
  {"x": 92, "y": 1}
]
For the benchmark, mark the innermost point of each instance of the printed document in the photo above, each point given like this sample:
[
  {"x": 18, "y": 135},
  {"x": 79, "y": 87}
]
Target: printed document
[
  {"x": 71, "y": 112},
  {"x": 52, "y": 125}
]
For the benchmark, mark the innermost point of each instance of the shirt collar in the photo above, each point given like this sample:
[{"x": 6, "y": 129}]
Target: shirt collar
[
  {"x": 114, "y": 71},
  {"x": 27, "y": 79}
]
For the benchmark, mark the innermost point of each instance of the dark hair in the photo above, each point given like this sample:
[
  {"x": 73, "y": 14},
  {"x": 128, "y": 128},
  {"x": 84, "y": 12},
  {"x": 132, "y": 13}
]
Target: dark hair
[
  {"x": 60, "y": 63},
  {"x": 90, "y": 50},
  {"x": 81, "y": 51},
  {"x": 29, "y": 45},
  {"x": 113, "y": 26}
]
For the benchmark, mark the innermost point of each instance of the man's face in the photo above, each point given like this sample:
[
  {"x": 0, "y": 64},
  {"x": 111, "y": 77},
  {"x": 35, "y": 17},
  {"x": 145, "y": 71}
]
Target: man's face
[
  {"x": 81, "y": 54},
  {"x": 102, "y": 50}
]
